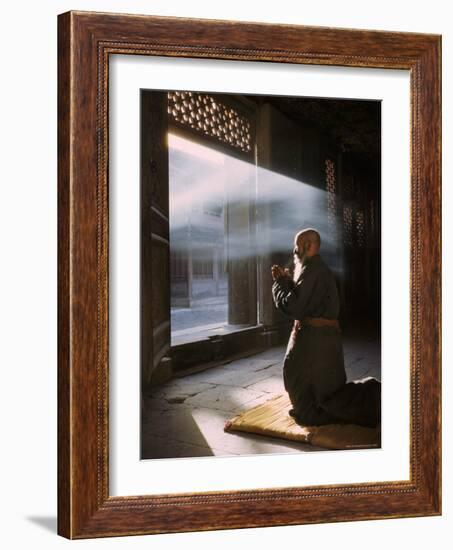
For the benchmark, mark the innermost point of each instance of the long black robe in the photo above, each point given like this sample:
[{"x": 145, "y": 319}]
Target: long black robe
[{"x": 313, "y": 370}]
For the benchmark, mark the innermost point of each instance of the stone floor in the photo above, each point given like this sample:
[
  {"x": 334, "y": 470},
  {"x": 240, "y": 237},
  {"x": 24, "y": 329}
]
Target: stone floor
[
  {"x": 185, "y": 417},
  {"x": 203, "y": 311}
]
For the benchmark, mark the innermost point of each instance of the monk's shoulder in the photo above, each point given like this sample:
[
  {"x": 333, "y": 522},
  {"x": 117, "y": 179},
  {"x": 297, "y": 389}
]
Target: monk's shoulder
[
  {"x": 324, "y": 270},
  {"x": 315, "y": 269}
]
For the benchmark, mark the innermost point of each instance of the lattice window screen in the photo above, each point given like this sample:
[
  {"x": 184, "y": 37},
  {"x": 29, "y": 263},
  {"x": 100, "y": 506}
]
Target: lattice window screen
[
  {"x": 331, "y": 189},
  {"x": 348, "y": 187},
  {"x": 347, "y": 226},
  {"x": 372, "y": 220},
  {"x": 360, "y": 228},
  {"x": 208, "y": 116}
]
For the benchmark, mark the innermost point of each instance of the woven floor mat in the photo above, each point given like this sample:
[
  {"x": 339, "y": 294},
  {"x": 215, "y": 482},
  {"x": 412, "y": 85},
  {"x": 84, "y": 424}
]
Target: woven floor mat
[{"x": 272, "y": 419}]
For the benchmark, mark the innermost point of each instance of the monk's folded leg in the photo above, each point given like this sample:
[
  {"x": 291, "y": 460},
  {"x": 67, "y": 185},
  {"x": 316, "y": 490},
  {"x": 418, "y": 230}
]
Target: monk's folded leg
[
  {"x": 357, "y": 402},
  {"x": 308, "y": 412}
]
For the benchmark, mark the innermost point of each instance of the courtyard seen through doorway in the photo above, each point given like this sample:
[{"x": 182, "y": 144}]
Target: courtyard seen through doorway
[{"x": 208, "y": 189}]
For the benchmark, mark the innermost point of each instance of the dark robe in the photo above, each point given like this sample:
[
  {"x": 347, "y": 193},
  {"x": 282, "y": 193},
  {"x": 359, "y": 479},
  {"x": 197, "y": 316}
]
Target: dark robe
[{"x": 313, "y": 370}]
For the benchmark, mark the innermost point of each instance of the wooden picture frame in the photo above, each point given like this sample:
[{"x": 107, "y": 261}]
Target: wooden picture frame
[{"x": 85, "y": 42}]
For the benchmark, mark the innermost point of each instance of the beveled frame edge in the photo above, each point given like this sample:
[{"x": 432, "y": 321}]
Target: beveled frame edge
[{"x": 85, "y": 42}]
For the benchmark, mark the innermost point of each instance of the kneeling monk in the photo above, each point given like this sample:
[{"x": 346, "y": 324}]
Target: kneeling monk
[{"x": 313, "y": 371}]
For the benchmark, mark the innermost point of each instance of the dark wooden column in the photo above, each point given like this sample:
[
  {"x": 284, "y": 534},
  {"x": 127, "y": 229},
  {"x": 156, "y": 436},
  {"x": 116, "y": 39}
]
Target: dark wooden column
[
  {"x": 266, "y": 311},
  {"x": 240, "y": 238},
  {"x": 155, "y": 335}
]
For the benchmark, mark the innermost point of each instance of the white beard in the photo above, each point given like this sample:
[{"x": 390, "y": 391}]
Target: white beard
[{"x": 298, "y": 265}]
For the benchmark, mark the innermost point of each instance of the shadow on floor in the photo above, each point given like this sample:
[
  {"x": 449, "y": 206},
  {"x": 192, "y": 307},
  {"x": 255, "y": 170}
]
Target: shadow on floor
[{"x": 48, "y": 523}]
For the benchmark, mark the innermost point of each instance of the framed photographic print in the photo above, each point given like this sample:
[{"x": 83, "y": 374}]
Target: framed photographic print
[{"x": 249, "y": 275}]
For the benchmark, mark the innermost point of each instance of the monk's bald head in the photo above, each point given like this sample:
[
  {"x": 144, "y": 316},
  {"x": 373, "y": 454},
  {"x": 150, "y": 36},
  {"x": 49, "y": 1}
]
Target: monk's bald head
[{"x": 307, "y": 242}]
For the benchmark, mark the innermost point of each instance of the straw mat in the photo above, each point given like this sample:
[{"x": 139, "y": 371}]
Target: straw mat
[{"x": 272, "y": 419}]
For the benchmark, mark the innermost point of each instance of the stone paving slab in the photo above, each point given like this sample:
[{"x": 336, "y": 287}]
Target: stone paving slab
[
  {"x": 230, "y": 376},
  {"x": 186, "y": 387},
  {"x": 254, "y": 364},
  {"x": 273, "y": 385},
  {"x": 185, "y": 417},
  {"x": 240, "y": 444},
  {"x": 176, "y": 424},
  {"x": 183, "y": 430},
  {"x": 228, "y": 400},
  {"x": 273, "y": 354},
  {"x": 162, "y": 447}
]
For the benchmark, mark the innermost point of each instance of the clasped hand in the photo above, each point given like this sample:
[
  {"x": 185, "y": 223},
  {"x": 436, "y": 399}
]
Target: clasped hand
[{"x": 278, "y": 271}]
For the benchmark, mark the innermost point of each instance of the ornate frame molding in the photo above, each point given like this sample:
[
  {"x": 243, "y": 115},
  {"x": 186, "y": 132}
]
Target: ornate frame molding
[{"x": 85, "y": 42}]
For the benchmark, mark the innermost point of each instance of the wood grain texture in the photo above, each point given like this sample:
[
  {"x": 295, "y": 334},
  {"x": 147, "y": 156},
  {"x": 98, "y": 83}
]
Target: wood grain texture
[
  {"x": 86, "y": 40},
  {"x": 64, "y": 370}
]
